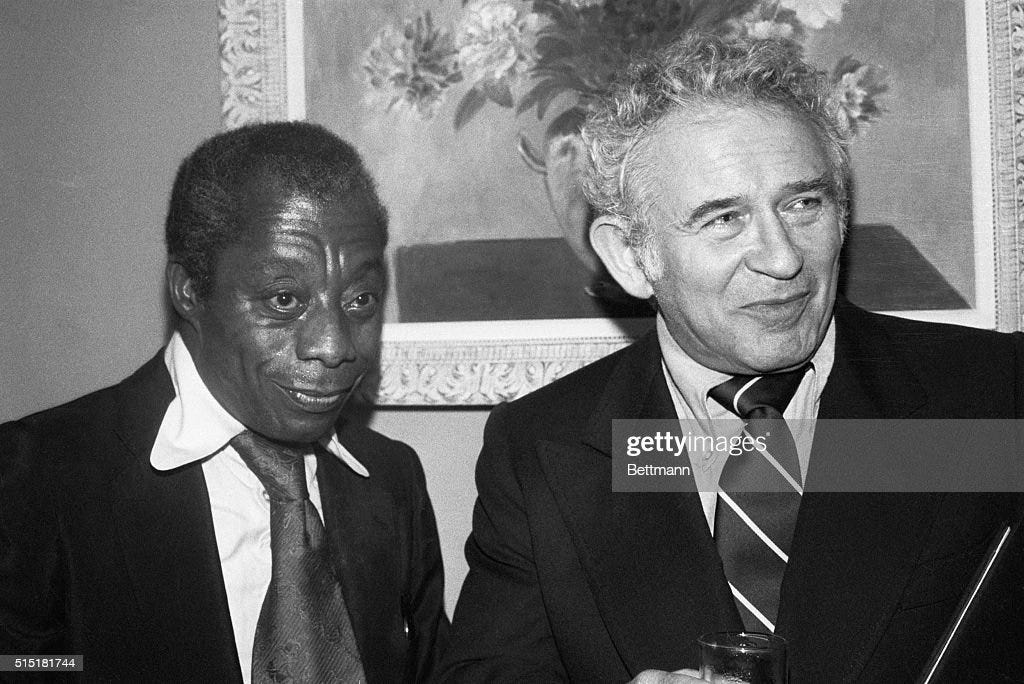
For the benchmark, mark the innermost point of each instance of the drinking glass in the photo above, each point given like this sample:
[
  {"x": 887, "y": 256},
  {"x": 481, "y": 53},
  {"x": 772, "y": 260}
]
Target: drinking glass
[{"x": 746, "y": 657}]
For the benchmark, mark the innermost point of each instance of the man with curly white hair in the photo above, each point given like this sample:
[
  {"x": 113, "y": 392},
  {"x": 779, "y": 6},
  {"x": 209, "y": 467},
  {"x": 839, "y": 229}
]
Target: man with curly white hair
[{"x": 721, "y": 179}]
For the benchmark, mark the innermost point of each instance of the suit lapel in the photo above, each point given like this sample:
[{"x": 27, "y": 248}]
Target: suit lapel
[
  {"x": 852, "y": 553},
  {"x": 650, "y": 559},
  {"x": 167, "y": 536},
  {"x": 358, "y": 514}
]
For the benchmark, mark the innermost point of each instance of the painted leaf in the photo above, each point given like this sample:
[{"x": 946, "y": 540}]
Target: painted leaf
[
  {"x": 541, "y": 95},
  {"x": 469, "y": 105},
  {"x": 497, "y": 91}
]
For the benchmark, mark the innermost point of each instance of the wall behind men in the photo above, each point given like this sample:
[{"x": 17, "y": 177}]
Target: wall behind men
[{"x": 99, "y": 102}]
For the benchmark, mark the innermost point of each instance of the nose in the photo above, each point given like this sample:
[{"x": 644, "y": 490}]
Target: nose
[
  {"x": 325, "y": 336},
  {"x": 774, "y": 253}
]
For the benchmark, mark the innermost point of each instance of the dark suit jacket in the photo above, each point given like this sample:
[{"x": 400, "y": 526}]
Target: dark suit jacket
[
  {"x": 570, "y": 581},
  {"x": 104, "y": 556}
]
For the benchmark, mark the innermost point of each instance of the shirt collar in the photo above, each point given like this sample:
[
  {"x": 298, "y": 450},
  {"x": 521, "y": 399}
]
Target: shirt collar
[
  {"x": 195, "y": 425},
  {"x": 693, "y": 381}
]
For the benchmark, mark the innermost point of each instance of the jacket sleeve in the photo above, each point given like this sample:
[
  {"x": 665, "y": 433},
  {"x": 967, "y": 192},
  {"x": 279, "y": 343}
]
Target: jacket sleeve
[
  {"x": 31, "y": 576},
  {"x": 500, "y": 631}
]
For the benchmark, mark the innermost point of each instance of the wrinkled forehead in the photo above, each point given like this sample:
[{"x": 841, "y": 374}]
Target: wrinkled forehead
[
  {"x": 707, "y": 114},
  {"x": 729, "y": 123}
]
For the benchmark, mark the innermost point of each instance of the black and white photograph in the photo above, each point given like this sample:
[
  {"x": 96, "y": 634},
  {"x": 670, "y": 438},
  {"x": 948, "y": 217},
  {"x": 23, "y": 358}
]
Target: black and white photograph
[{"x": 635, "y": 341}]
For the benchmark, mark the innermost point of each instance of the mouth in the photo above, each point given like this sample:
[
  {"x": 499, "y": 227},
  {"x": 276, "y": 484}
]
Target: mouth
[
  {"x": 779, "y": 309},
  {"x": 317, "y": 400}
]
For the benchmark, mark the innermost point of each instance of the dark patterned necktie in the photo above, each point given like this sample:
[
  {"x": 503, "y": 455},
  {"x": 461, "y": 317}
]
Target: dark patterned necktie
[
  {"x": 304, "y": 633},
  {"x": 758, "y": 495}
]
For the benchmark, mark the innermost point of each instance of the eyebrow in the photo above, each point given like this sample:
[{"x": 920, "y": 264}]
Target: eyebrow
[
  {"x": 822, "y": 184},
  {"x": 710, "y": 207},
  {"x": 372, "y": 267}
]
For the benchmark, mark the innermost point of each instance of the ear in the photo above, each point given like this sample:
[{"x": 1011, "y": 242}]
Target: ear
[
  {"x": 182, "y": 291},
  {"x": 608, "y": 238}
]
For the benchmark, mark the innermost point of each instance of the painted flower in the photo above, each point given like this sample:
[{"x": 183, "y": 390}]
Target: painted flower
[
  {"x": 495, "y": 38},
  {"x": 815, "y": 13},
  {"x": 528, "y": 54},
  {"x": 859, "y": 87},
  {"x": 412, "y": 67},
  {"x": 759, "y": 28},
  {"x": 769, "y": 29},
  {"x": 766, "y": 20}
]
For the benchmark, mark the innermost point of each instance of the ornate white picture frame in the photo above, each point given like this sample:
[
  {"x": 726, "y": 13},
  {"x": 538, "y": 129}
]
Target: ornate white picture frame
[{"x": 480, "y": 363}]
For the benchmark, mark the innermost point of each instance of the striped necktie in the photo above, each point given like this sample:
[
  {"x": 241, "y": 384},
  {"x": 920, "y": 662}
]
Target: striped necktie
[
  {"x": 758, "y": 495},
  {"x": 304, "y": 633}
]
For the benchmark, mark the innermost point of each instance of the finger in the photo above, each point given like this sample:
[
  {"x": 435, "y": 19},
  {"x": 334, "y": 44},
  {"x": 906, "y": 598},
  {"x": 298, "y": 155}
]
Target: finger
[{"x": 661, "y": 677}]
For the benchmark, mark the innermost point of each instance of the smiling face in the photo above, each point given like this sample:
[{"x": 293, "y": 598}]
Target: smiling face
[
  {"x": 744, "y": 257},
  {"x": 294, "y": 317}
]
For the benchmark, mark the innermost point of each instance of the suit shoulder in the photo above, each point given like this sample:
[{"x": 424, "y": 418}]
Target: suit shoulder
[
  {"x": 561, "y": 407},
  {"x": 946, "y": 342},
  {"x": 963, "y": 371},
  {"x": 66, "y": 421},
  {"x": 582, "y": 384},
  {"x": 85, "y": 431},
  {"x": 55, "y": 455},
  {"x": 96, "y": 408},
  {"x": 910, "y": 326}
]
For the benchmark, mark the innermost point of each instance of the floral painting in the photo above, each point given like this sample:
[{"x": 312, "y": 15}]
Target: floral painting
[
  {"x": 468, "y": 114},
  {"x": 523, "y": 55}
]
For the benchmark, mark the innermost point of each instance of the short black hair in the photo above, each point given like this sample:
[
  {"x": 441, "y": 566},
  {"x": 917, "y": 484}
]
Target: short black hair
[{"x": 211, "y": 184}]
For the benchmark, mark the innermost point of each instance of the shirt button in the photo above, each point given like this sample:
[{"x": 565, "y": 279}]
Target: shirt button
[{"x": 266, "y": 496}]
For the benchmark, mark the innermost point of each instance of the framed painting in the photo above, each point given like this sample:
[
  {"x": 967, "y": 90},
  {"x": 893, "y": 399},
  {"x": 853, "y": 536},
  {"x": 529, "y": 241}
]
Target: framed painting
[{"x": 494, "y": 291}]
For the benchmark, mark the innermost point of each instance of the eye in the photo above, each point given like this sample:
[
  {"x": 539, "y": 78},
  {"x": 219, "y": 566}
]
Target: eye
[
  {"x": 364, "y": 303},
  {"x": 729, "y": 223},
  {"x": 724, "y": 219},
  {"x": 805, "y": 204},
  {"x": 285, "y": 302}
]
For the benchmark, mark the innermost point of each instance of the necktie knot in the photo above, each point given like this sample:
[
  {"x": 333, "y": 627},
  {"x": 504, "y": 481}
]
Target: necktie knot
[
  {"x": 281, "y": 468},
  {"x": 745, "y": 394}
]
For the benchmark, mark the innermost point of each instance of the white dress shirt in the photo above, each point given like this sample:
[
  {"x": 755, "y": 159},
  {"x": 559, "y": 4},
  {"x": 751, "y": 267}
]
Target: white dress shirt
[
  {"x": 197, "y": 428},
  {"x": 689, "y": 384}
]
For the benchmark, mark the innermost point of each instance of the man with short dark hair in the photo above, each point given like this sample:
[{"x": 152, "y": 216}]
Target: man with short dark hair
[
  {"x": 720, "y": 174},
  {"x": 215, "y": 516}
]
